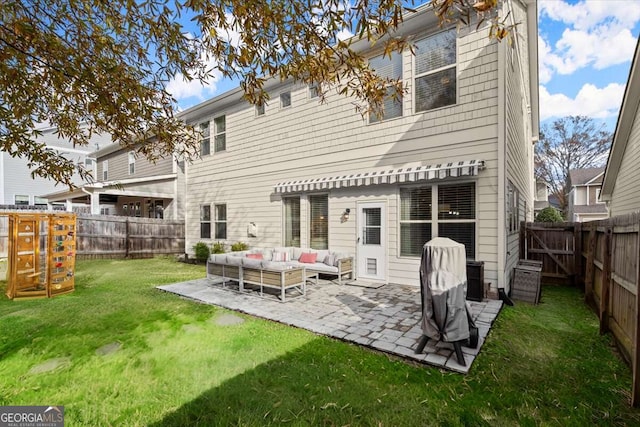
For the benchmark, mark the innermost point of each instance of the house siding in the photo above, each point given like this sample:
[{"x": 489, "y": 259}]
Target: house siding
[
  {"x": 519, "y": 149},
  {"x": 625, "y": 197},
  {"x": 311, "y": 140},
  {"x": 118, "y": 165}
]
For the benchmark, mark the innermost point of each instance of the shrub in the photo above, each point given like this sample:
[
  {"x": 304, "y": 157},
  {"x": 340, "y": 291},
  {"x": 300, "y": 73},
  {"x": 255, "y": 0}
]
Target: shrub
[
  {"x": 549, "y": 214},
  {"x": 217, "y": 248},
  {"x": 202, "y": 251},
  {"x": 239, "y": 246}
]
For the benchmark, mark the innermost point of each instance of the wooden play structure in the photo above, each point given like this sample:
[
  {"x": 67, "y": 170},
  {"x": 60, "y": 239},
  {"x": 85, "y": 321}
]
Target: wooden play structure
[{"x": 41, "y": 254}]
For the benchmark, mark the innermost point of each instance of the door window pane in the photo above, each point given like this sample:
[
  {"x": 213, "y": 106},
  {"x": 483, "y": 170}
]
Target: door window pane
[{"x": 371, "y": 230}]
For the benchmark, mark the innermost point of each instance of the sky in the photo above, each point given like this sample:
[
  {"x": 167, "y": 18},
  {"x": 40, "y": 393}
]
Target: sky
[{"x": 585, "y": 50}]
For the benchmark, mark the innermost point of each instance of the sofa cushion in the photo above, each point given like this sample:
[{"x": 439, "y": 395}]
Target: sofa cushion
[
  {"x": 255, "y": 256},
  {"x": 251, "y": 263},
  {"x": 308, "y": 257},
  {"x": 274, "y": 265},
  {"x": 321, "y": 254},
  {"x": 283, "y": 249},
  {"x": 296, "y": 252},
  {"x": 234, "y": 260},
  {"x": 322, "y": 268},
  {"x": 280, "y": 256},
  {"x": 267, "y": 253},
  {"x": 218, "y": 258}
]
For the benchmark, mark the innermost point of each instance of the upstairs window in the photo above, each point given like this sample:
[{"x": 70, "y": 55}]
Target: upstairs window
[
  {"x": 314, "y": 90},
  {"x": 436, "y": 72},
  {"x": 285, "y": 99},
  {"x": 205, "y": 142},
  {"x": 132, "y": 163},
  {"x": 260, "y": 110},
  {"x": 391, "y": 68},
  {"x": 105, "y": 170},
  {"x": 220, "y": 134},
  {"x": 21, "y": 200}
]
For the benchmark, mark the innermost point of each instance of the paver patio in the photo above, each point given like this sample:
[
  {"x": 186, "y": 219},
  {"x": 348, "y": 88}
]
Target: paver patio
[{"x": 386, "y": 319}]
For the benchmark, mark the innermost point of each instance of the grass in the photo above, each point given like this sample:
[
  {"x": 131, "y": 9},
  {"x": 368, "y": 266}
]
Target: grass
[{"x": 542, "y": 365}]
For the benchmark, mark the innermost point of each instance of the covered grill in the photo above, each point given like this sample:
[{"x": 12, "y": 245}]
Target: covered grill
[{"x": 443, "y": 281}]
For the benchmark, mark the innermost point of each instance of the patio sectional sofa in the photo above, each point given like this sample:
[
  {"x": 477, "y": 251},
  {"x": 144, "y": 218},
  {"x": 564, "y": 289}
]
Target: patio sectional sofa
[{"x": 280, "y": 267}]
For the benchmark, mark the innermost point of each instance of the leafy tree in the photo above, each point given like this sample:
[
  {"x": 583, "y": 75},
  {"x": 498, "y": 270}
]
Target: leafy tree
[
  {"x": 94, "y": 66},
  {"x": 549, "y": 214},
  {"x": 574, "y": 142}
]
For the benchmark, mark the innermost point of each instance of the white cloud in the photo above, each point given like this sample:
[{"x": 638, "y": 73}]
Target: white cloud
[
  {"x": 586, "y": 15},
  {"x": 590, "y": 101},
  {"x": 598, "y": 35}
]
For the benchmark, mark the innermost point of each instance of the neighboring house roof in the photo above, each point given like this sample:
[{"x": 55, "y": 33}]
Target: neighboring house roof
[
  {"x": 586, "y": 176},
  {"x": 590, "y": 209},
  {"x": 624, "y": 125}
]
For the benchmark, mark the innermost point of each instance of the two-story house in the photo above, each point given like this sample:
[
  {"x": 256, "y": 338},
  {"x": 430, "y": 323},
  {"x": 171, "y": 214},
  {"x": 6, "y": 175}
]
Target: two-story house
[
  {"x": 584, "y": 197},
  {"x": 18, "y": 188},
  {"x": 453, "y": 158},
  {"x": 129, "y": 185}
]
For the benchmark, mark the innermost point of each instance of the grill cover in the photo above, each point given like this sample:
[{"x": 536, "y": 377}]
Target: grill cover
[{"x": 443, "y": 280}]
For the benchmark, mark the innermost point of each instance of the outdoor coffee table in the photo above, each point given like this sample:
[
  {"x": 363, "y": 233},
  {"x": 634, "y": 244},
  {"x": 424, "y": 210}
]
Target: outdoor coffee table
[{"x": 281, "y": 279}]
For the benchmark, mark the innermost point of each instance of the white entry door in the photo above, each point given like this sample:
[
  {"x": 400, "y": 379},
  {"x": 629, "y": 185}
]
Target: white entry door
[{"x": 372, "y": 245}]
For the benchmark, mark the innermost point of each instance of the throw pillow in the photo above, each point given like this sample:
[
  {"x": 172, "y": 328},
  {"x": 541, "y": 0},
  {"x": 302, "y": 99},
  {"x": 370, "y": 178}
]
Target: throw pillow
[
  {"x": 254, "y": 256},
  {"x": 330, "y": 260},
  {"x": 309, "y": 258},
  {"x": 280, "y": 256}
]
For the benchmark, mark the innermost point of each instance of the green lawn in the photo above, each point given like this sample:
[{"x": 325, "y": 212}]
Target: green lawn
[{"x": 542, "y": 365}]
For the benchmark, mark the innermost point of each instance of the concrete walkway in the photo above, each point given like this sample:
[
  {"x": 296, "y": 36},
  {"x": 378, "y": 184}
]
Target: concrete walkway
[{"x": 385, "y": 319}]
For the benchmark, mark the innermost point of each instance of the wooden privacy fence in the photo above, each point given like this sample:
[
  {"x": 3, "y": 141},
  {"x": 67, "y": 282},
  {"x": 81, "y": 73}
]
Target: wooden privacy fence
[
  {"x": 610, "y": 251},
  {"x": 128, "y": 237},
  {"x": 554, "y": 244}
]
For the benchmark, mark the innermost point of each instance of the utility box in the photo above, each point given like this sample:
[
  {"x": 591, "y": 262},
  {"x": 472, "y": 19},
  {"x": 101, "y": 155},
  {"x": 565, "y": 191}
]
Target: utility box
[{"x": 475, "y": 280}]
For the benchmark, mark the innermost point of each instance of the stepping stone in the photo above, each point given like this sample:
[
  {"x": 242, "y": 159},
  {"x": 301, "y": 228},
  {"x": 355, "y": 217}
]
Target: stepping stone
[
  {"x": 108, "y": 349},
  {"x": 49, "y": 365},
  {"x": 189, "y": 328},
  {"x": 228, "y": 320}
]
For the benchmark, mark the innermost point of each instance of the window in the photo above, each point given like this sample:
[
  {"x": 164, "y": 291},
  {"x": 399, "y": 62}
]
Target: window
[
  {"x": 88, "y": 162},
  {"x": 260, "y": 109},
  {"x": 205, "y": 144},
  {"x": 388, "y": 67},
  {"x": 132, "y": 162},
  {"x": 319, "y": 224},
  {"x": 105, "y": 170},
  {"x": 21, "y": 200},
  {"x": 138, "y": 210},
  {"x": 40, "y": 202},
  {"x": 292, "y": 221},
  {"x": 159, "y": 209},
  {"x": 457, "y": 215},
  {"x": 221, "y": 221},
  {"x": 435, "y": 79},
  {"x": 437, "y": 211},
  {"x": 512, "y": 207},
  {"x": 205, "y": 222},
  {"x": 285, "y": 99},
  {"x": 415, "y": 220},
  {"x": 314, "y": 90},
  {"x": 220, "y": 137}
]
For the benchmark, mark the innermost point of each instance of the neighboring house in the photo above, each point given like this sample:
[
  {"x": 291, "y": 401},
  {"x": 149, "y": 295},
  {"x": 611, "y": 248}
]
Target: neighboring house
[
  {"x": 584, "y": 197},
  {"x": 127, "y": 185},
  {"x": 17, "y": 187},
  {"x": 541, "y": 198},
  {"x": 622, "y": 176},
  {"x": 453, "y": 158}
]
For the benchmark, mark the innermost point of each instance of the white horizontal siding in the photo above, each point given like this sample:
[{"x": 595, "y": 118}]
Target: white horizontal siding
[{"x": 626, "y": 197}]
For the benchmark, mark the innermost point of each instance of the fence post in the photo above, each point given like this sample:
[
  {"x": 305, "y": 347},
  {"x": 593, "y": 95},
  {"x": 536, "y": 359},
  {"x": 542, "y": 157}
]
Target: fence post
[
  {"x": 590, "y": 267},
  {"x": 577, "y": 253},
  {"x": 635, "y": 361},
  {"x": 126, "y": 238},
  {"x": 606, "y": 282}
]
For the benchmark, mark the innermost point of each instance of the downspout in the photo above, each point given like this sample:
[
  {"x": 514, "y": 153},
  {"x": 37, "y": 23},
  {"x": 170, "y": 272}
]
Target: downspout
[{"x": 502, "y": 167}]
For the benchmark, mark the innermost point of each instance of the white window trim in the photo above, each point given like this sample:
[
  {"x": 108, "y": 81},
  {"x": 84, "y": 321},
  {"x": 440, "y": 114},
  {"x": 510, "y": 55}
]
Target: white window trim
[
  {"x": 264, "y": 110},
  {"x": 434, "y": 214},
  {"x": 201, "y": 126},
  {"x": 105, "y": 170},
  {"x": 416, "y": 75},
  {"x": 403, "y": 96},
  {"x": 308, "y": 220},
  {"x": 201, "y": 221},
  {"x": 216, "y": 221},
  {"x": 132, "y": 162},
  {"x": 216, "y": 133}
]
